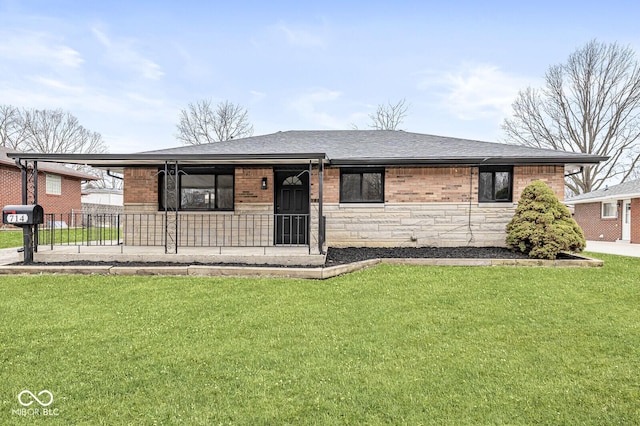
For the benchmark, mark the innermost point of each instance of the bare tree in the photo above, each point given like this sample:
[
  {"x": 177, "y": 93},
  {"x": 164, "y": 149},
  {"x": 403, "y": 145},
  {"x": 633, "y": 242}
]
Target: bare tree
[
  {"x": 389, "y": 116},
  {"x": 11, "y": 129},
  {"x": 56, "y": 131},
  {"x": 590, "y": 104},
  {"x": 201, "y": 123}
]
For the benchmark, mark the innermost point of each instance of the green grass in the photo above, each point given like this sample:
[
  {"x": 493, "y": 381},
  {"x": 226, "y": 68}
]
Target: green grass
[
  {"x": 388, "y": 345},
  {"x": 75, "y": 236},
  {"x": 9, "y": 239}
]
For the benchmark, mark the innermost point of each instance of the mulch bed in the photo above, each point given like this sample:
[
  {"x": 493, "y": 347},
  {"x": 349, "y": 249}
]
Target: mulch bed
[{"x": 341, "y": 256}]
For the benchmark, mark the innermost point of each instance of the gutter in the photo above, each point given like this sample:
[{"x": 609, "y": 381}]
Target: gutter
[{"x": 474, "y": 161}]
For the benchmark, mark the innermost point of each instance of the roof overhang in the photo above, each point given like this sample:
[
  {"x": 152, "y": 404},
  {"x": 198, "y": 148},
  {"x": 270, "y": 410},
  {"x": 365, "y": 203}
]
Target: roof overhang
[
  {"x": 604, "y": 198},
  {"x": 117, "y": 162}
]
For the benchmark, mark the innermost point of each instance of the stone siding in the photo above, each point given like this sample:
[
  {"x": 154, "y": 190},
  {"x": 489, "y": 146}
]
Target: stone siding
[{"x": 417, "y": 225}]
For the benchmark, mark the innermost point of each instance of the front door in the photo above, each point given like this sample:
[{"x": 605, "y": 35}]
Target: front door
[
  {"x": 626, "y": 220},
  {"x": 292, "y": 207}
]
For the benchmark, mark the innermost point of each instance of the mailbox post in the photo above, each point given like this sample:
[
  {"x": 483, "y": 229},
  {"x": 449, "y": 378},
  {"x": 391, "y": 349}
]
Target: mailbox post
[{"x": 24, "y": 216}]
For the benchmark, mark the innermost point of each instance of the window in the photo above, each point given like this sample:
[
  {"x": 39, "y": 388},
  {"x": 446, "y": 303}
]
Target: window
[
  {"x": 201, "y": 190},
  {"x": 610, "y": 210},
  {"x": 362, "y": 186},
  {"x": 54, "y": 184},
  {"x": 495, "y": 184}
]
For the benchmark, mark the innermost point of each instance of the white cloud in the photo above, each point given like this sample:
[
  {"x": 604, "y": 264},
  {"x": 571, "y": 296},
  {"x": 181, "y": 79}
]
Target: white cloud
[
  {"x": 57, "y": 85},
  {"x": 301, "y": 37},
  {"x": 476, "y": 91},
  {"x": 308, "y": 105},
  {"x": 38, "y": 47},
  {"x": 123, "y": 53},
  {"x": 256, "y": 96},
  {"x": 312, "y": 107}
]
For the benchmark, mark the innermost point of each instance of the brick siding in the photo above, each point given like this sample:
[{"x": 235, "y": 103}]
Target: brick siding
[
  {"x": 248, "y": 185},
  {"x": 589, "y": 217},
  {"x": 68, "y": 201},
  {"x": 445, "y": 184},
  {"x": 635, "y": 220},
  {"x": 140, "y": 186}
]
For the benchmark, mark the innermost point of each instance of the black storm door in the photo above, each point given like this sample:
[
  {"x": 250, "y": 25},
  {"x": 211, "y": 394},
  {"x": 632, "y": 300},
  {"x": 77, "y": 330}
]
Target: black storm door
[{"x": 292, "y": 207}]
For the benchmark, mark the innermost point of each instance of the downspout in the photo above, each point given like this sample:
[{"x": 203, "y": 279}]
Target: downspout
[
  {"x": 575, "y": 173},
  {"x": 114, "y": 176}
]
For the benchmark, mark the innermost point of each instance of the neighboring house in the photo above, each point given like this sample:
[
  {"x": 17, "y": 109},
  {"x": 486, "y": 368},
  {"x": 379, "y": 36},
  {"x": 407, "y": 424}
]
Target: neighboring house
[
  {"x": 59, "y": 187},
  {"x": 331, "y": 188},
  {"x": 102, "y": 201},
  {"x": 609, "y": 214}
]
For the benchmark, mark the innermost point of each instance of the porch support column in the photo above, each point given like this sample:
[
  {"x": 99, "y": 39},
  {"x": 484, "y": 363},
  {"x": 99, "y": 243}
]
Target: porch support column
[
  {"x": 171, "y": 208},
  {"x": 321, "y": 230},
  {"x": 29, "y": 196}
]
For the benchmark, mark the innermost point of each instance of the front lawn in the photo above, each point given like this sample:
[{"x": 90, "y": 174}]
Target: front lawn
[
  {"x": 61, "y": 236},
  {"x": 10, "y": 239},
  {"x": 388, "y": 345}
]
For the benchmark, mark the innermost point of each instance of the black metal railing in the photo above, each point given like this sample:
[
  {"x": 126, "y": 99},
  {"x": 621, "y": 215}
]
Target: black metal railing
[{"x": 193, "y": 229}]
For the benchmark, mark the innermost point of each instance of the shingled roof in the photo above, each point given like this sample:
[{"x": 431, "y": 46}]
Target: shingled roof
[
  {"x": 47, "y": 167},
  {"x": 334, "y": 147},
  {"x": 384, "y": 147},
  {"x": 622, "y": 191}
]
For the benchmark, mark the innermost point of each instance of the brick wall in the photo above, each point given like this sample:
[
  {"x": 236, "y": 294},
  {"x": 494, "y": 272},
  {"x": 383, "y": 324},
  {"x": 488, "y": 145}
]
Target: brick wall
[
  {"x": 635, "y": 220},
  {"x": 402, "y": 184},
  {"x": 11, "y": 184},
  {"x": 430, "y": 185},
  {"x": 445, "y": 184},
  {"x": 141, "y": 186},
  {"x": 68, "y": 201},
  {"x": 248, "y": 185},
  {"x": 551, "y": 175},
  {"x": 589, "y": 217}
]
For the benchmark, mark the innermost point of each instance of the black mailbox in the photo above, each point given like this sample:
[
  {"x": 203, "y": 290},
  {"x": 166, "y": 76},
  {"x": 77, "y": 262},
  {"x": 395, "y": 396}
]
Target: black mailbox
[{"x": 23, "y": 215}]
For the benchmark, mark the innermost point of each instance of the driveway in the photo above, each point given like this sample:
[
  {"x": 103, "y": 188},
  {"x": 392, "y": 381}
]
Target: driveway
[{"x": 624, "y": 249}]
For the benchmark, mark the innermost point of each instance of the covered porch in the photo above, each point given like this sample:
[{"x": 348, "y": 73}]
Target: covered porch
[{"x": 262, "y": 209}]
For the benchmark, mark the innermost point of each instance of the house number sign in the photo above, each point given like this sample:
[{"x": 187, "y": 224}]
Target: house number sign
[{"x": 17, "y": 218}]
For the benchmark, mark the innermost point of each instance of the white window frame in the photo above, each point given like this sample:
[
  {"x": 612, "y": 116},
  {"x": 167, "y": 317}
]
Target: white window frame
[
  {"x": 53, "y": 184},
  {"x": 615, "y": 210}
]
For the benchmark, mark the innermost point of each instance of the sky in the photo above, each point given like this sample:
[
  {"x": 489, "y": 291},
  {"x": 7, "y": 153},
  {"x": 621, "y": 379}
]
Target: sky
[{"x": 126, "y": 69}]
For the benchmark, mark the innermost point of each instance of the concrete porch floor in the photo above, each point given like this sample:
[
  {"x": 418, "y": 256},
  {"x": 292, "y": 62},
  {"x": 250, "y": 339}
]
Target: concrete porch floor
[{"x": 242, "y": 255}]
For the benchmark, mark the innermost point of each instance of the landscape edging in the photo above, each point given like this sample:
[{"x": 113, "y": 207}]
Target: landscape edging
[{"x": 289, "y": 272}]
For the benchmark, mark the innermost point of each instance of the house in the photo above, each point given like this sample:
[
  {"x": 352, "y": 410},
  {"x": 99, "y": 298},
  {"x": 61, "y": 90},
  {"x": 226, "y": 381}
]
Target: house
[
  {"x": 102, "y": 201},
  {"x": 609, "y": 214},
  {"x": 59, "y": 187},
  {"x": 328, "y": 188}
]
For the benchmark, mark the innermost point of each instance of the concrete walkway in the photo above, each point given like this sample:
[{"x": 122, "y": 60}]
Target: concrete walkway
[
  {"x": 620, "y": 248},
  {"x": 9, "y": 256}
]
